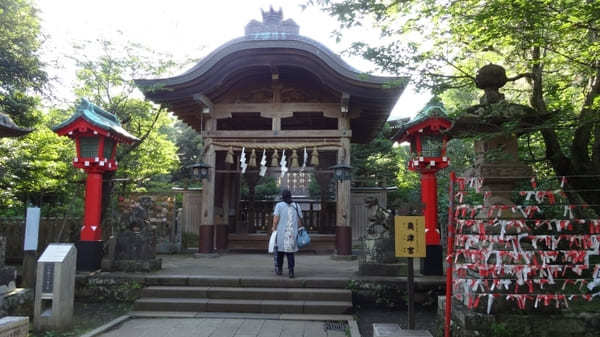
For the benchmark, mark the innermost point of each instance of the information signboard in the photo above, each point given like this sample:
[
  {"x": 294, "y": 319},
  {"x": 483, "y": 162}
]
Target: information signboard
[{"x": 410, "y": 236}]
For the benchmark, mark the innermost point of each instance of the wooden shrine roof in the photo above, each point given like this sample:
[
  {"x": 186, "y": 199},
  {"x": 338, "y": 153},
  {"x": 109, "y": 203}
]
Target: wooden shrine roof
[{"x": 275, "y": 47}]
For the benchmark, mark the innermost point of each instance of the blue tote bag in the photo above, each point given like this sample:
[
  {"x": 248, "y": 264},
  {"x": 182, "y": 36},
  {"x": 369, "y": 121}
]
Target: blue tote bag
[{"x": 302, "y": 239}]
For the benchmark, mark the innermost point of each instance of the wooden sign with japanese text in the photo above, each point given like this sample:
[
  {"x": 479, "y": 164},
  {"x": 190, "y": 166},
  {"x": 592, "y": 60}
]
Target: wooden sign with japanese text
[{"x": 410, "y": 236}]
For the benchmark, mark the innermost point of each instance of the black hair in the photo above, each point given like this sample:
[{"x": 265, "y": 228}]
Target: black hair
[{"x": 286, "y": 196}]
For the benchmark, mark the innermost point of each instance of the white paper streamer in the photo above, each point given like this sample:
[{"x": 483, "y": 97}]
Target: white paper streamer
[
  {"x": 243, "y": 163},
  {"x": 305, "y": 160},
  {"x": 263, "y": 164},
  {"x": 283, "y": 164}
]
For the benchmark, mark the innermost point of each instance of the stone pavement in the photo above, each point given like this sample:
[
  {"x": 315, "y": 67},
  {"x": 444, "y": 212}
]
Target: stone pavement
[{"x": 220, "y": 327}]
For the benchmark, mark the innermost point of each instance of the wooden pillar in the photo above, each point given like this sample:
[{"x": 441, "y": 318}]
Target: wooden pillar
[
  {"x": 207, "y": 225},
  {"x": 222, "y": 228},
  {"x": 343, "y": 230}
]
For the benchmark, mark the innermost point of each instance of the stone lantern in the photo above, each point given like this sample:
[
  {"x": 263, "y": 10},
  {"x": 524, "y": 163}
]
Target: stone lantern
[
  {"x": 96, "y": 134},
  {"x": 428, "y": 155}
]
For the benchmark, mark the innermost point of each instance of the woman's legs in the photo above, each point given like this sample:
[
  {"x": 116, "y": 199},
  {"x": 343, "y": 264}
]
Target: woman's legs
[
  {"x": 279, "y": 262},
  {"x": 291, "y": 263}
]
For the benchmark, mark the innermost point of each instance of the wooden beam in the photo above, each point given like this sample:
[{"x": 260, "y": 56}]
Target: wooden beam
[
  {"x": 271, "y": 110},
  {"x": 208, "y": 104},
  {"x": 280, "y": 134}
]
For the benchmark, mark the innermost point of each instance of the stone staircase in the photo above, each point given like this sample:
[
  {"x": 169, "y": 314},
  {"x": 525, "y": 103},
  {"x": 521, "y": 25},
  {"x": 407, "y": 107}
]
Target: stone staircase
[{"x": 276, "y": 295}]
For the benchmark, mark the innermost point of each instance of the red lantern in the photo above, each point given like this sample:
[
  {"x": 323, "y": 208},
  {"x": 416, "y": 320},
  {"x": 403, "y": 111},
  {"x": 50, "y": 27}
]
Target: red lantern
[
  {"x": 96, "y": 134},
  {"x": 428, "y": 155}
]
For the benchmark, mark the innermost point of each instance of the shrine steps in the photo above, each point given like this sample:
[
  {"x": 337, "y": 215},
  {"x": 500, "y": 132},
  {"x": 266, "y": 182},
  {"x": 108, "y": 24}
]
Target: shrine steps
[
  {"x": 258, "y": 242},
  {"x": 251, "y": 295}
]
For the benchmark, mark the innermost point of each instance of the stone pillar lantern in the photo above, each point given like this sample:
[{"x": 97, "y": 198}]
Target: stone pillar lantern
[
  {"x": 96, "y": 134},
  {"x": 428, "y": 156},
  {"x": 496, "y": 155}
]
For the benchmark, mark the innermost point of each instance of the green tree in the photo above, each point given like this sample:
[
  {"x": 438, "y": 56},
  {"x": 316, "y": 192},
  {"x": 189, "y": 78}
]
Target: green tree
[
  {"x": 21, "y": 71},
  {"x": 550, "y": 47},
  {"x": 189, "y": 149},
  {"x": 375, "y": 163},
  {"x": 37, "y": 168},
  {"x": 105, "y": 76}
]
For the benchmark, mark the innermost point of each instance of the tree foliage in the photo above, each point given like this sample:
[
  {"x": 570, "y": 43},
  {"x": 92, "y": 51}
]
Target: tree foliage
[
  {"x": 551, "y": 49},
  {"x": 21, "y": 71},
  {"x": 37, "y": 168},
  {"x": 107, "y": 80}
]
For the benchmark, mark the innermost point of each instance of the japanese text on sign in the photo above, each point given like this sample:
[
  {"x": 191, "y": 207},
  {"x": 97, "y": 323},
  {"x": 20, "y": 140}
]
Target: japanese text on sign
[{"x": 410, "y": 236}]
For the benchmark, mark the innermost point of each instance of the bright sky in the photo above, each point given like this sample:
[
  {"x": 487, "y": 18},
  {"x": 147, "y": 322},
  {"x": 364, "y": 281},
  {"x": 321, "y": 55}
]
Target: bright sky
[{"x": 186, "y": 28}]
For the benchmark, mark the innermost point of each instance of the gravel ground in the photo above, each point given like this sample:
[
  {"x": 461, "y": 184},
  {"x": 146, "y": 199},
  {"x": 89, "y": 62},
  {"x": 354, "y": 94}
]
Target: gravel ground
[{"x": 424, "y": 320}]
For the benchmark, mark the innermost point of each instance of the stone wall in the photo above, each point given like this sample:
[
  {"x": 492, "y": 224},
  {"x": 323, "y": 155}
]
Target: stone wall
[
  {"x": 52, "y": 229},
  {"x": 159, "y": 214},
  {"x": 580, "y": 320}
]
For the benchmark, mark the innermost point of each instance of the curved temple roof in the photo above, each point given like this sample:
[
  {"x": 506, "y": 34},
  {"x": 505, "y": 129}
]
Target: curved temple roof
[
  {"x": 8, "y": 128},
  {"x": 98, "y": 117},
  {"x": 275, "y": 44}
]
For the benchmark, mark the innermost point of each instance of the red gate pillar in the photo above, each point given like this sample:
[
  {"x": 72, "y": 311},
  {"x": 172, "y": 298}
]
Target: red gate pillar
[
  {"x": 429, "y": 198},
  {"x": 91, "y": 230},
  {"x": 432, "y": 263}
]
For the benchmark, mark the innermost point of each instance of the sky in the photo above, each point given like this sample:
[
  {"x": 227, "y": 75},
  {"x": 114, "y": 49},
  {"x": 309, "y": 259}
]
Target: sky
[{"x": 186, "y": 29}]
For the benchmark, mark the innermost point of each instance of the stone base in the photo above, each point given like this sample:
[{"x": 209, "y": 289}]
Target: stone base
[
  {"x": 577, "y": 321},
  {"x": 383, "y": 269},
  {"x": 432, "y": 263},
  {"x": 206, "y": 255},
  {"x": 344, "y": 257},
  {"x": 8, "y": 276},
  {"x": 137, "y": 265},
  {"x": 89, "y": 255},
  {"x": 393, "y": 330},
  {"x": 167, "y": 248},
  {"x": 18, "y": 302},
  {"x": 14, "y": 326}
]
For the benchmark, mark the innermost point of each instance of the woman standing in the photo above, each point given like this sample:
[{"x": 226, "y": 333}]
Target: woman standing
[{"x": 286, "y": 217}]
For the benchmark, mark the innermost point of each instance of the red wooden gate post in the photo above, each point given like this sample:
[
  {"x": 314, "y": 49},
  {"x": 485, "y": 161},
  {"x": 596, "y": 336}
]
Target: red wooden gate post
[
  {"x": 428, "y": 155},
  {"x": 96, "y": 134}
]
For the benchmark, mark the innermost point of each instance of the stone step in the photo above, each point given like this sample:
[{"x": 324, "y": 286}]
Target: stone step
[
  {"x": 232, "y": 281},
  {"x": 251, "y": 293},
  {"x": 242, "y": 305}
]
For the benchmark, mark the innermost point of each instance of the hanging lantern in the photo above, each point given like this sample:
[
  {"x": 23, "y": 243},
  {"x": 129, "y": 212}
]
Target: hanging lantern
[
  {"x": 229, "y": 156},
  {"x": 275, "y": 159},
  {"x": 200, "y": 170},
  {"x": 427, "y": 142},
  {"x": 342, "y": 172},
  {"x": 252, "y": 161},
  {"x": 314, "y": 157},
  {"x": 295, "y": 159}
]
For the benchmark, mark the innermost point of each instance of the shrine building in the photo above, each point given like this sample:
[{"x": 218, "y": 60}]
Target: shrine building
[{"x": 269, "y": 101}]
